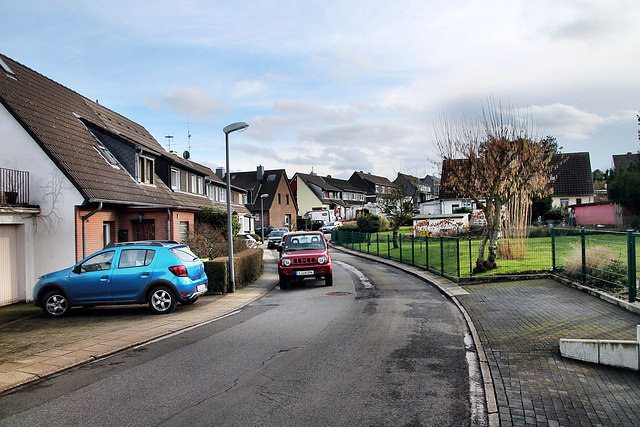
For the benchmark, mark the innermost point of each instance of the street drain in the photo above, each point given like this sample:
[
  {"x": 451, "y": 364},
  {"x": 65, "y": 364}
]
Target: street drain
[{"x": 338, "y": 293}]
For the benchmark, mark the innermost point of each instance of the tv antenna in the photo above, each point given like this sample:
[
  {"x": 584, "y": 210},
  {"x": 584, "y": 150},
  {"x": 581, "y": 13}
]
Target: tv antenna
[{"x": 169, "y": 138}]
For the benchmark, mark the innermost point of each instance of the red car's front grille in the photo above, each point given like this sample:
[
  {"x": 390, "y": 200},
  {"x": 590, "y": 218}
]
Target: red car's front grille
[{"x": 304, "y": 260}]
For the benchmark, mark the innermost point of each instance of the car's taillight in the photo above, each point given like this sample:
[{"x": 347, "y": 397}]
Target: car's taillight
[{"x": 179, "y": 270}]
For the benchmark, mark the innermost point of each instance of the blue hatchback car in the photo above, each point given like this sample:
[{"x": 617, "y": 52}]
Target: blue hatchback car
[{"x": 160, "y": 273}]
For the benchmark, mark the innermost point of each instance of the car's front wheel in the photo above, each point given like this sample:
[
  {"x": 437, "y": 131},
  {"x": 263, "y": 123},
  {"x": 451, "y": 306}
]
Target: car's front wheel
[
  {"x": 162, "y": 300},
  {"x": 328, "y": 280},
  {"x": 55, "y": 304},
  {"x": 284, "y": 282}
]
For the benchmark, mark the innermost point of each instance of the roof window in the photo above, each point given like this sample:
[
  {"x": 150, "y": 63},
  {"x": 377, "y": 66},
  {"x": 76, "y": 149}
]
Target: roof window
[
  {"x": 6, "y": 69},
  {"x": 104, "y": 152}
]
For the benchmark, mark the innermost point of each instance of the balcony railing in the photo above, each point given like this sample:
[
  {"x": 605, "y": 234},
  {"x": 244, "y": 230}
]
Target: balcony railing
[{"x": 14, "y": 187}]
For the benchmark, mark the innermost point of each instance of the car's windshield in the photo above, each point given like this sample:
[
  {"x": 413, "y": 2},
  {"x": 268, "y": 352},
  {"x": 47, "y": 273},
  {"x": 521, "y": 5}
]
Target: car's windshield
[
  {"x": 275, "y": 234},
  {"x": 301, "y": 242}
]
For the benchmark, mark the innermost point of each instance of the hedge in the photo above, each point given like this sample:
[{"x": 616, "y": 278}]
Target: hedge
[{"x": 247, "y": 268}]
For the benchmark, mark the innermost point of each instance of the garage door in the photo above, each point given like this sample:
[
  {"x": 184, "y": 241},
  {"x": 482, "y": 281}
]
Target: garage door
[{"x": 8, "y": 264}]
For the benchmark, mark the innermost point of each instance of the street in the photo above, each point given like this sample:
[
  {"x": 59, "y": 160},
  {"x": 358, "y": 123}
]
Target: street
[{"x": 379, "y": 347}]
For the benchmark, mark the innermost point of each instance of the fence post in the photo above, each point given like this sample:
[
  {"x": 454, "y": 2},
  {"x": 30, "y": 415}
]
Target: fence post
[
  {"x": 631, "y": 265},
  {"x": 583, "y": 242},
  {"x": 377, "y": 244},
  {"x": 458, "y": 253},
  {"x": 413, "y": 250},
  {"x": 388, "y": 248},
  {"x": 359, "y": 242},
  {"x": 400, "y": 244},
  {"x": 426, "y": 250},
  {"x": 470, "y": 256},
  {"x": 442, "y": 255},
  {"x": 553, "y": 249}
]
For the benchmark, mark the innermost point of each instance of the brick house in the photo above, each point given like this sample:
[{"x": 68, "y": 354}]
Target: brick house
[
  {"x": 84, "y": 176},
  {"x": 279, "y": 205}
]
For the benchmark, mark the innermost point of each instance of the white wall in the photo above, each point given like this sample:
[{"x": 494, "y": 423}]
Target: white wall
[{"x": 51, "y": 240}]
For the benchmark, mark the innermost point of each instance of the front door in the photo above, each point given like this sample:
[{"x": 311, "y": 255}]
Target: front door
[{"x": 144, "y": 230}]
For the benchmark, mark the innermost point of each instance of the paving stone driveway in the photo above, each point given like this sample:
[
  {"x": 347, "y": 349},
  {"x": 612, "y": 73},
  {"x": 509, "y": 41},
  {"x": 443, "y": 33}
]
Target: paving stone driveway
[{"x": 520, "y": 323}]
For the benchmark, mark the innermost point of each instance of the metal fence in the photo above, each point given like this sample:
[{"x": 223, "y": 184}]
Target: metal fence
[
  {"x": 14, "y": 187},
  {"x": 605, "y": 260}
]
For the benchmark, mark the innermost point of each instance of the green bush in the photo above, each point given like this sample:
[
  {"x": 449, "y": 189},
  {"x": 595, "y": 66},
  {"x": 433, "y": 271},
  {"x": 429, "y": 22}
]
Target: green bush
[
  {"x": 247, "y": 268},
  {"x": 369, "y": 223}
]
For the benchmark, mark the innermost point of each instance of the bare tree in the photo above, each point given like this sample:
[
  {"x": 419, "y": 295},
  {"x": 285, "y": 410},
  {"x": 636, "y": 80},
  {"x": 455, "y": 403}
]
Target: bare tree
[{"x": 492, "y": 159}]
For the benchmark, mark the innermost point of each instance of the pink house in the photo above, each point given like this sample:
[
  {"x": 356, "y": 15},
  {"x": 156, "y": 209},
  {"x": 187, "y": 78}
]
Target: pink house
[{"x": 601, "y": 213}]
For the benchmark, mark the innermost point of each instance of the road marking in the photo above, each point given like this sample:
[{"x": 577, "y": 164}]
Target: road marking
[{"x": 365, "y": 282}]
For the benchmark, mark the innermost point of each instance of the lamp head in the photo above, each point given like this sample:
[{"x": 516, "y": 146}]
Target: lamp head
[{"x": 233, "y": 127}]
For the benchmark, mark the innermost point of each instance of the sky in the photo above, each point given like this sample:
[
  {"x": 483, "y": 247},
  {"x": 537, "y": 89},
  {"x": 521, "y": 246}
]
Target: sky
[{"x": 338, "y": 86}]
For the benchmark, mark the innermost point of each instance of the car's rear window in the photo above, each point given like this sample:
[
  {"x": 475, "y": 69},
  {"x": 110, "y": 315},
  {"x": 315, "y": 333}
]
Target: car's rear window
[
  {"x": 183, "y": 253},
  {"x": 276, "y": 234}
]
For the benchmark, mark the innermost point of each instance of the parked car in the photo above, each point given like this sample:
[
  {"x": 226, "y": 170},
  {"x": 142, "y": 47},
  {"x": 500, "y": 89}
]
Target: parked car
[
  {"x": 304, "y": 254},
  {"x": 267, "y": 230},
  {"x": 160, "y": 273},
  {"x": 250, "y": 240},
  {"x": 330, "y": 226},
  {"x": 274, "y": 238}
]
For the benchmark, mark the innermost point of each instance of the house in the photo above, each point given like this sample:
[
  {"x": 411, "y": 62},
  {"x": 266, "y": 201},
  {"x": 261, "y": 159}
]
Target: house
[
  {"x": 313, "y": 192},
  {"x": 373, "y": 186},
  {"x": 571, "y": 183},
  {"x": 622, "y": 161},
  {"x": 572, "y": 180},
  {"x": 414, "y": 188},
  {"x": 434, "y": 184},
  {"x": 278, "y": 204},
  {"x": 83, "y": 176}
]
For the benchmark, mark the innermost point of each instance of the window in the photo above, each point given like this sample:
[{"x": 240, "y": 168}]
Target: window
[
  {"x": 564, "y": 203},
  {"x": 578, "y": 201},
  {"x": 99, "y": 262},
  {"x": 108, "y": 232},
  {"x": 287, "y": 220},
  {"x": 200, "y": 185},
  {"x": 287, "y": 196},
  {"x": 271, "y": 178},
  {"x": 184, "y": 231},
  {"x": 279, "y": 199},
  {"x": 136, "y": 258},
  {"x": 175, "y": 179},
  {"x": 145, "y": 170},
  {"x": 104, "y": 152}
]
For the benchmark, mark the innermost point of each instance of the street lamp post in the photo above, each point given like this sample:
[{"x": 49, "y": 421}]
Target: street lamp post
[
  {"x": 239, "y": 126},
  {"x": 262, "y": 214}
]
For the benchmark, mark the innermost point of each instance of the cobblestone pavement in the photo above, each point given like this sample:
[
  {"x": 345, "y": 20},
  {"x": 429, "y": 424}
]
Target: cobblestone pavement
[{"x": 520, "y": 323}]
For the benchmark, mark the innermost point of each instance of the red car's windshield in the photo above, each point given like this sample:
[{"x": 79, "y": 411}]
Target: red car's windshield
[{"x": 303, "y": 242}]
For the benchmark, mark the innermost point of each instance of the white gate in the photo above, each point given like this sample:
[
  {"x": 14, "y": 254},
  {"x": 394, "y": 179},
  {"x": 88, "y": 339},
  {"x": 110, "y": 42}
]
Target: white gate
[{"x": 8, "y": 264}]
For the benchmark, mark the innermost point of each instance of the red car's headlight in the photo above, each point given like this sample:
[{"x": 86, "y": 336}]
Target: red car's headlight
[{"x": 286, "y": 262}]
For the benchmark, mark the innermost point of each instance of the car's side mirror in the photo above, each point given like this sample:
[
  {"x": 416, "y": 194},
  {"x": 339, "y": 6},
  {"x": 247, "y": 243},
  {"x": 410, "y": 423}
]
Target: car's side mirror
[{"x": 76, "y": 269}]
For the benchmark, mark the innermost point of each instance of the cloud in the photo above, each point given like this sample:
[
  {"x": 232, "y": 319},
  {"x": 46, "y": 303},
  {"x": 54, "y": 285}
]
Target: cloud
[
  {"x": 191, "y": 102},
  {"x": 245, "y": 88},
  {"x": 568, "y": 121},
  {"x": 344, "y": 63}
]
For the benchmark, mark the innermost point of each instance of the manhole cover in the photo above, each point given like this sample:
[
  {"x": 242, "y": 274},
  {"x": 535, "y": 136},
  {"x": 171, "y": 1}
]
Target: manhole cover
[{"x": 338, "y": 293}]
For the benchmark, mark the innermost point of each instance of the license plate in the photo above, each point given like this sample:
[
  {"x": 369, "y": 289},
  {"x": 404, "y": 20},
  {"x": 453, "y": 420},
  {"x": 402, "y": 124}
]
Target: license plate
[
  {"x": 201, "y": 288},
  {"x": 305, "y": 273}
]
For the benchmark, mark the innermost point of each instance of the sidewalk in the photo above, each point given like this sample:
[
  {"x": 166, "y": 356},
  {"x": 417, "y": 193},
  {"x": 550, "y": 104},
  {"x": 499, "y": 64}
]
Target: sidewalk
[{"x": 54, "y": 345}]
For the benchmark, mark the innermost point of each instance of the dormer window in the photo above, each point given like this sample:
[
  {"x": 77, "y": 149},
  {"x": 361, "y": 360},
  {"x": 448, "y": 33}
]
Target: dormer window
[
  {"x": 175, "y": 179},
  {"x": 145, "y": 170}
]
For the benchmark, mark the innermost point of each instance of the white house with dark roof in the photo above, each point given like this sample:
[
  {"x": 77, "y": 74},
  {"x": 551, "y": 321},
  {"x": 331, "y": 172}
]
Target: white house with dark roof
[{"x": 83, "y": 176}]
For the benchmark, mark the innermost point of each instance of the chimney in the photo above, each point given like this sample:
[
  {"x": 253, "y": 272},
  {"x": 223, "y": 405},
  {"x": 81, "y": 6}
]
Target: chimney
[
  {"x": 220, "y": 173},
  {"x": 260, "y": 173}
]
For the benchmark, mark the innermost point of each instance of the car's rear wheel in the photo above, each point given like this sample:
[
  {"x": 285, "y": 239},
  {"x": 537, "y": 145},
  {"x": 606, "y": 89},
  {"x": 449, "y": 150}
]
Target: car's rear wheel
[
  {"x": 55, "y": 304},
  {"x": 328, "y": 280},
  {"x": 162, "y": 300}
]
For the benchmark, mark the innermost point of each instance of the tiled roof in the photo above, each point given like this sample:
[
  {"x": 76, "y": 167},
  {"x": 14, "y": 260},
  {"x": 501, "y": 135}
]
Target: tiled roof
[
  {"x": 571, "y": 178},
  {"x": 624, "y": 160},
  {"x": 58, "y": 119},
  {"x": 268, "y": 185},
  {"x": 380, "y": 180}
]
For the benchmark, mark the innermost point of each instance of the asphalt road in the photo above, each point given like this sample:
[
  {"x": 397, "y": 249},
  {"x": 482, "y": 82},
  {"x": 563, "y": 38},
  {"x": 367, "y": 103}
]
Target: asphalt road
[{"x": 378, "y": 348}]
